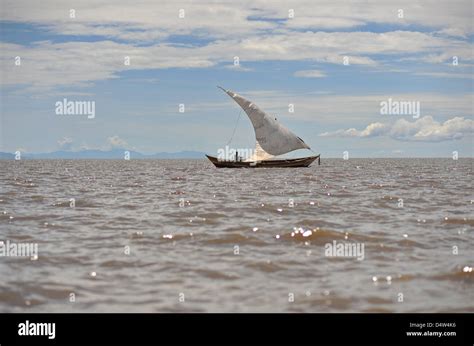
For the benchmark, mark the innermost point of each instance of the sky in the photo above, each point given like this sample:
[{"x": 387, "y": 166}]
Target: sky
[{"x": 334, "y": 63}]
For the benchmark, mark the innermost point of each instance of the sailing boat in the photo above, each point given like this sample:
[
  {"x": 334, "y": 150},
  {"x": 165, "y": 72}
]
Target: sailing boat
[{"x": 272, "y": 139}]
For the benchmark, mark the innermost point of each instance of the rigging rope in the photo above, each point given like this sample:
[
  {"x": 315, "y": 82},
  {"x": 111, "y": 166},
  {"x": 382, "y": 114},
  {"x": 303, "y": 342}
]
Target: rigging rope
[{"x": 235, "y": 128}]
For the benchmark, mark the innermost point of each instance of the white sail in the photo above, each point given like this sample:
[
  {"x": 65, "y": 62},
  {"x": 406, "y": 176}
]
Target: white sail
[
  {"x": 260, "y": 154},
  {"x": 272, "y": 137}
]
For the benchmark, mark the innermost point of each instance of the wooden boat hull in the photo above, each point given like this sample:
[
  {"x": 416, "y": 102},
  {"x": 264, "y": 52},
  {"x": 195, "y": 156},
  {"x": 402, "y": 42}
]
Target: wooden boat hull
[{"x": 282, "y": 163}]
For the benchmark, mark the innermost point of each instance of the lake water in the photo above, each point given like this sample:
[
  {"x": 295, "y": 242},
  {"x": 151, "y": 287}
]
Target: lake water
[{"x": 182, "y": 236}]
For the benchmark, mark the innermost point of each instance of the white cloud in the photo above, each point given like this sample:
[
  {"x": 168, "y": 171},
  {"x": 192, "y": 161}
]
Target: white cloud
[
  {"x": 239, "y": 68},
  {"x": 142, "y": 19},
  {"x": 453, "y": 31},
  {"x": 425, "y": 129},
  {"x": 46, "y": 65},
  {"x": 445, "y": 75},
  {"x": 310, "y": 74},
  {"x": 65, "y": 143},
  {"x": 117, "y": 142},
  {"x": 228, "y": 29},
  {"x": 372, "y": 130},
  {"x": 341, "y": 110}
]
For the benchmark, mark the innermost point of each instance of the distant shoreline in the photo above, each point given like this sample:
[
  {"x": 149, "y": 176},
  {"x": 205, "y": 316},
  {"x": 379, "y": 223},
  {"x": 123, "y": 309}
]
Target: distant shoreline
[
  {"x": 29, "y": 158},
  {"x": 115, "y": 154}
]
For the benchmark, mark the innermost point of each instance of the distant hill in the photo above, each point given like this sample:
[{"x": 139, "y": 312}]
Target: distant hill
[
  {"x": 100, "y": 154},
  {"x": 6, "y": 156}
]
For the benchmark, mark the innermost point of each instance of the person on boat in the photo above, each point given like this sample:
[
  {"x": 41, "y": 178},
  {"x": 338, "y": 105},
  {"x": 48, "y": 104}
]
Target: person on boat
[{"x": 236, "y": 156}]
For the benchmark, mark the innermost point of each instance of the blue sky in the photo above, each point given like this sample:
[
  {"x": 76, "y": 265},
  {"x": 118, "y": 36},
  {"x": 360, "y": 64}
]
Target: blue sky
[{"x": 282, "y": 61}]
